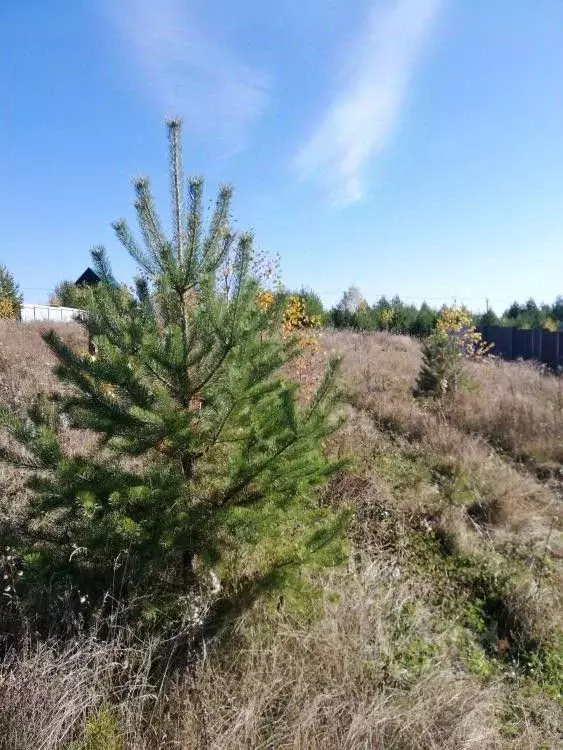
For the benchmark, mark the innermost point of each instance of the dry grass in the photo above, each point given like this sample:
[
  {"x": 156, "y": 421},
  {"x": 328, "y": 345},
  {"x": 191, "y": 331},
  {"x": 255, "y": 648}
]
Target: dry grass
[
  {"x": 83, "y": 695},
  {"x": 371, "y": 672},
  {"x": 452, "y": 466},
  {"x": 518, "y": 406},
  {"x": 340, "y": 682},
  {"x": 26, "y": 370},
  {"x": 26, "y": 363},
  {"x": 344, "y": 682},
  {"x": 387, "y": 661},
  {"x": 381, "y": 371}
]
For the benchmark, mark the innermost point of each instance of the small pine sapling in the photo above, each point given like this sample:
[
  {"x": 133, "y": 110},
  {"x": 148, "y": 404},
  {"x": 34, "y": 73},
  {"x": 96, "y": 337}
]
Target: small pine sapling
[
  {"x": 205, "y": 458},
  {"x": 454, "y": 340}
]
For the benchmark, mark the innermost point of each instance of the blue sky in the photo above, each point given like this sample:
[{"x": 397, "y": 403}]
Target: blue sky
[{"x": 412, "y": 147}]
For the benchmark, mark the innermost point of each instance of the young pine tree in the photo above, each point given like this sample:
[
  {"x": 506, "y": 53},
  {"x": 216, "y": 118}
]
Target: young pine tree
[
  {"x": 454, "y": 340},
  {"x": 441, "y": 367},
  {"x": 204, "y": 454}
]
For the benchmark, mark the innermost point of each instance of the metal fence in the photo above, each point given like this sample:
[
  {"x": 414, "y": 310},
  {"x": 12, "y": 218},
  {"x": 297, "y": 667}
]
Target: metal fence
[
  {"x": 48, "y": 313},
  {"x": 519, "y": 343}
]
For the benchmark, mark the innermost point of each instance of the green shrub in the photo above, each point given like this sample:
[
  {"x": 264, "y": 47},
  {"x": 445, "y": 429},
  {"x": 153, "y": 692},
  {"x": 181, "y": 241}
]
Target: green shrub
[
  {"x": 68, "y": 294},
  {"x": 101, "y": 732}
]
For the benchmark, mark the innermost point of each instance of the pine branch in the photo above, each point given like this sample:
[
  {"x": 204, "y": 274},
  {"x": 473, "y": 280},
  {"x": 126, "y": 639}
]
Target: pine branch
[
  {"x": 102, "y": 266},
  {"x": 126, "y": 238},
  {"x": 13, "y": 459},
  {"x": 151, "y": 228},
  {"x": 326, "y": 386},
  {"x": 253, "y": 472},
  {"x": 176, "y": 182},
  {"x": 195, "y": 196},
  {"x": 218, "y": 222},
  {"x": 213, "y": 371}
]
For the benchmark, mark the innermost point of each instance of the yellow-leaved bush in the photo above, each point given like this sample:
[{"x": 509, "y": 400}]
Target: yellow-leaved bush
[
  {"x": 550, "y": 324},
  {"x": 386, "y": 317},
  {"x": 265, "y": 299},
  {"x": 457, "y": 323},
  {"x": 8, "y": 309},
  {"x": 295, "y": 317}
]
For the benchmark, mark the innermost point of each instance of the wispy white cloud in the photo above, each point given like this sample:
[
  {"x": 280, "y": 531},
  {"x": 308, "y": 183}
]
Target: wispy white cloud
[
  {"x": 363, "y": 117},
  {"x": 187, "y": 69}
]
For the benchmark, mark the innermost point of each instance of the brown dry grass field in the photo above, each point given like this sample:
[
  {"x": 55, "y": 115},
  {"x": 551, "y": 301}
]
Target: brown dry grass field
[{"x": 443, "y": 630}]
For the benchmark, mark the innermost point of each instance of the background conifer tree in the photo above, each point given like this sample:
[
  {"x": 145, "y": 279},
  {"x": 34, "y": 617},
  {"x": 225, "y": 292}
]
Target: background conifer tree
[
  {"x": 205, "y": 455},
  {"x": 10, "y": 295}
]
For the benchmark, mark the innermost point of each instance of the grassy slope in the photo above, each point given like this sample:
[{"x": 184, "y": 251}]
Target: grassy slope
[{"x": 442, "y": 632}]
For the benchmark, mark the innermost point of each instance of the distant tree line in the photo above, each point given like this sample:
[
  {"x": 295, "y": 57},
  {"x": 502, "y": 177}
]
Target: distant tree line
[
  {"x": 353, "y": 311},
  {"x": 396, "y": 316},
  {"x": 527, "y": 315},
  {"x": 393, "y": 315}
]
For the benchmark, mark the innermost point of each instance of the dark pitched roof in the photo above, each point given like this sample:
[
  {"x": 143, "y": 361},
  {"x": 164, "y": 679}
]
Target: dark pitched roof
[{"x": 89, "y": 277}]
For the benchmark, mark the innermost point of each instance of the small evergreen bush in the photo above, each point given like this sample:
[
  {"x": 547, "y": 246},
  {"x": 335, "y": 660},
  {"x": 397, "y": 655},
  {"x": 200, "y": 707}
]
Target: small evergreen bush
[{"x": 441, "y": 366}]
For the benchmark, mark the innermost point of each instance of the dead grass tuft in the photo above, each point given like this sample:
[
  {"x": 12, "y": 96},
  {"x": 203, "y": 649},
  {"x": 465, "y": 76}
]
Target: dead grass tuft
[
  {"x": 26, "y": 363},
  {"x": 517, "y": 406},
  {"x": 344, "y": 681}
]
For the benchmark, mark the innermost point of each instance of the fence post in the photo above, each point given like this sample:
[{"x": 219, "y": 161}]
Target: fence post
[{"x": 548, "y": 347}]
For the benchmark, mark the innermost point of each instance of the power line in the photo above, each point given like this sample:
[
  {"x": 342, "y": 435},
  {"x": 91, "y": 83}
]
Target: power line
[
  {"x": 373, "y": 295},
  {"x": 422, "y": 296},
  {"x": 36, "y": 288}
]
